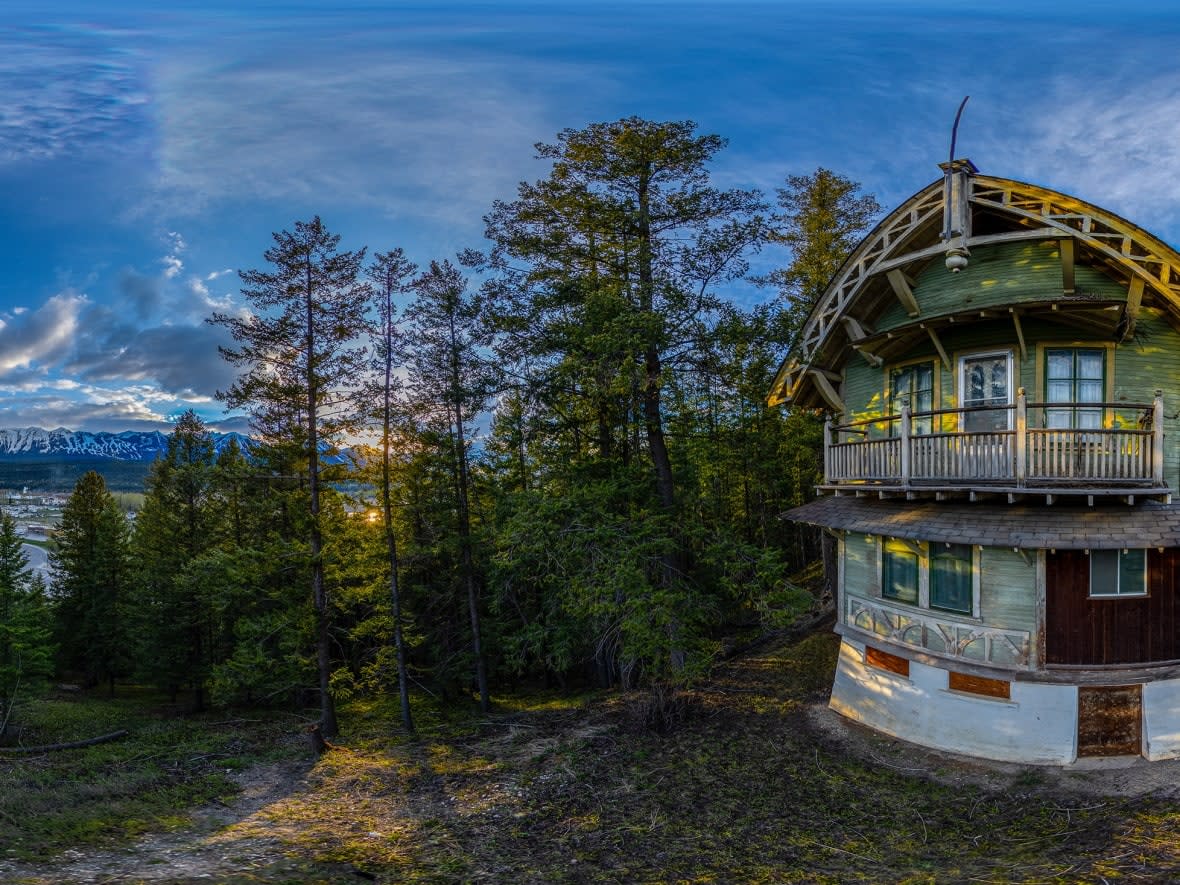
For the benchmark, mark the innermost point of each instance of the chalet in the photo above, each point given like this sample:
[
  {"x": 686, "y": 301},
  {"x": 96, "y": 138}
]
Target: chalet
[{"x": 1000, "y": 364}]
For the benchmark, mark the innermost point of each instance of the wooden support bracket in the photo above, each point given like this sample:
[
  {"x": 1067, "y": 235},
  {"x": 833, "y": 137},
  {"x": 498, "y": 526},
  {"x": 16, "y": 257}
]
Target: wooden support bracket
[
  {"x": 1131, "y": 311},
  {"x": 827, "y": 391},
  {"x": 946, "y": 360},
  {"x": 1019, "y": 332},
  {"x": 1066, "y": 247},
  {"x": 901, "y": 288}
]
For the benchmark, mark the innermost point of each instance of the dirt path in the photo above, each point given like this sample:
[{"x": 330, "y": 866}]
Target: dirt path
[{"x": 203, "y": 851}]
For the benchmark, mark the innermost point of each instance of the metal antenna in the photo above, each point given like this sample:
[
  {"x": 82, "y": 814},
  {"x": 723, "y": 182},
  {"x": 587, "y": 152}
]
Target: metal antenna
[{"x": 955, "y": 129}]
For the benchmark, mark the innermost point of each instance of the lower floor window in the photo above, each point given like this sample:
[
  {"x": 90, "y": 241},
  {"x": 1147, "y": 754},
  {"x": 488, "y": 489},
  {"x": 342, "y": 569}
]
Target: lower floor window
[
  {"x": 933, "y": 575},
  {"x": 899, "y": 572},
  {"x": 1118, "y": 572},
  {"x": 951, "y": 575}
]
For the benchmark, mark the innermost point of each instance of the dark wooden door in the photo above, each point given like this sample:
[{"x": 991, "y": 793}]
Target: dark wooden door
[{"x": 1109, "y": 720}]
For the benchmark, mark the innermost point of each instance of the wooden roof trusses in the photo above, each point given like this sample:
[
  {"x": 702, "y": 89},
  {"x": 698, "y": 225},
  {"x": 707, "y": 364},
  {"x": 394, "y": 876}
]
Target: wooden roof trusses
[{"x": 914, "y": 234}]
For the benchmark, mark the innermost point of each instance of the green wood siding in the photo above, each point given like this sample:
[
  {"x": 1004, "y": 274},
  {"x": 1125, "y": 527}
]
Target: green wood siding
[
  {"x": 1008, "y": 594},
  {"x": 997, "y": 276},
  {"x": 860, "y": 566},
  {"x": 1151, "y": 361}
]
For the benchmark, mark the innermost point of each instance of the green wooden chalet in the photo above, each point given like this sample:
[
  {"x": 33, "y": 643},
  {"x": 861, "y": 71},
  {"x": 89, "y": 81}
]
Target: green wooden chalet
[{"x": 1000, "y": 364}]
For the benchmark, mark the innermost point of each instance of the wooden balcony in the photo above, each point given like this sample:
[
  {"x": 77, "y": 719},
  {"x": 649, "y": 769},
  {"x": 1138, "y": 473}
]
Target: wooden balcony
[{"x": 1014, "y": 452}]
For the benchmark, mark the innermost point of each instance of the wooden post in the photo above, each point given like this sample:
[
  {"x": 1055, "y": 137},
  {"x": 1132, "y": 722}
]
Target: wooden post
[
  {"x": 828, "y": 431},
  {"x": 1157, "y": 439},
  {"x": 1021, "y": 437},
  {"x": 905, "y": 444}
]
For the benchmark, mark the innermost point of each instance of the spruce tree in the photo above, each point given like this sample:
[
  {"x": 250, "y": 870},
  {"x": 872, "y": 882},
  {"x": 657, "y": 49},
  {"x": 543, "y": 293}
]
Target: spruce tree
[
  {"x": 90, "y": 569},
  {"x": 26, "y": 650},
  {"x": 176, "y": 527},
  {"x": 300, "y": 369}
]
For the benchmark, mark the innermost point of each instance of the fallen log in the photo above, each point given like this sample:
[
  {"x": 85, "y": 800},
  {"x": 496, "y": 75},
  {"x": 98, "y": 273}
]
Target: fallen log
[{"x": 71, "y": 745}]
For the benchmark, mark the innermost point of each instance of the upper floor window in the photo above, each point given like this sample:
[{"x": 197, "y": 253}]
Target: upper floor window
[
  {"x": 913, "y": 385},
  {"x": 985, "y": 379},
  {"x": 1074, "y": 375}
]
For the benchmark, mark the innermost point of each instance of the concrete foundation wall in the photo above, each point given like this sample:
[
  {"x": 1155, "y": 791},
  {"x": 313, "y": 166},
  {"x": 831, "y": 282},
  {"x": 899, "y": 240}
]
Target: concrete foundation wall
[{"x": 1038, "y": 725}]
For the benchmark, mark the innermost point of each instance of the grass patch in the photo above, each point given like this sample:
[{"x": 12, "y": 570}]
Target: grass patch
[
  {"x": 112, "y": 792},
  {"x": 559, "y": 790}
]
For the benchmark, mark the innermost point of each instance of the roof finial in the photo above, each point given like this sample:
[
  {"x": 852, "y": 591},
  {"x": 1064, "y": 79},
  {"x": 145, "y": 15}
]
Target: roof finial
[{"x": 955, "y": 128}]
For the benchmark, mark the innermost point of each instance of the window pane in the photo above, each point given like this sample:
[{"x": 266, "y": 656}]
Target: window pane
[
  {"x": 1089, "y": 419},
  {"x": 1058, "y": 419},
  {"x": 1133, "y": 572},
  {"x": 1089, "y": 391},
  {"x": 899, "y": 580},
  {"x": 1090, "y": 364},
  {"x": 950, "y": 578},
  {"x": 1104, "y": 572},
  {"x": 1060, "y": 392},
  {"x": 1060, "y": 364}
]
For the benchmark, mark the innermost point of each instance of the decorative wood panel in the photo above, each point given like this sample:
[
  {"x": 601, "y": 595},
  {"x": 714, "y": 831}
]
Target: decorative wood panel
[
  {"x": 925, "y": 630},
  {"x": 1110, "y": 720},
  {"x": 1080, "y": 630}
]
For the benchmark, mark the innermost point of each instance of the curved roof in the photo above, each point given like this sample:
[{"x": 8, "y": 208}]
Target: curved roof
[{"x": 919, "y": 231}]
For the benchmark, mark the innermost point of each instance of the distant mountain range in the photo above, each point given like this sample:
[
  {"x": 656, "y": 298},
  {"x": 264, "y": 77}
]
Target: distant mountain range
[{"x": 35, "y": 444}]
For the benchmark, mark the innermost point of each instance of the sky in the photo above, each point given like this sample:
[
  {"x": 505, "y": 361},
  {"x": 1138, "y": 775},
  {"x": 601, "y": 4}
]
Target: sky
[{"x": 149, "y": 150}]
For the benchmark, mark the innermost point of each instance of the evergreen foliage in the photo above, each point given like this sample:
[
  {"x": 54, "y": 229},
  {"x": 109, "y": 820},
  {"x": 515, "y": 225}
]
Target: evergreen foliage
[
  {"x": 574, "y": 474},
  {"x": 26, "y": 649},
  {"x": 300, "y": 363},
  {"x": 91, "y": 576}
]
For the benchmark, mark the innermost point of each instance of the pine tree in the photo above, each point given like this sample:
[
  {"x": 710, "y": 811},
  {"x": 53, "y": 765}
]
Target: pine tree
[
  {"x": 300, "y": 361},
  {"x": 450, "y": 383},
  {"x": 824, "y": 217},
  {"x": 26, "y": 650},
  {"x": 390, "y": 275},
  {"x": 90, "y": 569},
  {"x": 177, "y": 525}
]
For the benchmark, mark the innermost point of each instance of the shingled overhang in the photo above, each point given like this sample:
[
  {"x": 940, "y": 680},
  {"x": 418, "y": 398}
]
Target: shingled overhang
[
  {"x": 1030, "y": 527},
  {"x": 965, "y": 211}
]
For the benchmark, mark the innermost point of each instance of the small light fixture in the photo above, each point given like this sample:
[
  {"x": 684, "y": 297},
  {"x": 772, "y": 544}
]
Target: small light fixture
[{"x": 956, "y": 258}]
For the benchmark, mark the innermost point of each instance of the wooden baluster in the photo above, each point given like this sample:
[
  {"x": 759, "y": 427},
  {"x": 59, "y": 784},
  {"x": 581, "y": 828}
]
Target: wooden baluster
[{"x": 1157, "y": 439}]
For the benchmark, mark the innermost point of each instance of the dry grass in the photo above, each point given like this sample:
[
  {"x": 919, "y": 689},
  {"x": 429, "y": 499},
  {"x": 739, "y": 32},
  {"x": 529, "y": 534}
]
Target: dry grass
[{"x": 746, "y": 790}]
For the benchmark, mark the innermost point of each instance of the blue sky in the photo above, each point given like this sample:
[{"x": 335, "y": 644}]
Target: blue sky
[{"x": 147, "y": 151}]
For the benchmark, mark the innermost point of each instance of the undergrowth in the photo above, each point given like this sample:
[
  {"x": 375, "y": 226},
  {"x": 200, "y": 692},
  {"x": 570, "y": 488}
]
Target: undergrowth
[{"x": 746, "y": 788}]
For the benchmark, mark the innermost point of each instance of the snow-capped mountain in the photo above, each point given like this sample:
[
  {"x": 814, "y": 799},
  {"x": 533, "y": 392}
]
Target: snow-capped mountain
[{"x": 33, "y": 443}]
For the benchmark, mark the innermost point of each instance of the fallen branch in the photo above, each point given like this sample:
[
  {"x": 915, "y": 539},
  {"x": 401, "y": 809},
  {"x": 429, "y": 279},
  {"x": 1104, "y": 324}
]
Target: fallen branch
[{"x": 72, "y": 745}]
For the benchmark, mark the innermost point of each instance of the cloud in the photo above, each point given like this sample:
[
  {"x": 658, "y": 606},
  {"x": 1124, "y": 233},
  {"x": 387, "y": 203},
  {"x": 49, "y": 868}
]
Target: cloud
[
  {"x": 41, "y": 337},
  {"x": 181, "y": 360},
  {"x": 69, "y": 88},
  {"x": 385, "y": 126}
]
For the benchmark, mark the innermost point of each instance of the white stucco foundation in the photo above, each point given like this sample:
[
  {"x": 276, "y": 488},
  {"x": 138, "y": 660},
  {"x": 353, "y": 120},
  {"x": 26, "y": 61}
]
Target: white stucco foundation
[
  {"x": 1038, "y": 725},
  {"x": 1161, "y": 719}
]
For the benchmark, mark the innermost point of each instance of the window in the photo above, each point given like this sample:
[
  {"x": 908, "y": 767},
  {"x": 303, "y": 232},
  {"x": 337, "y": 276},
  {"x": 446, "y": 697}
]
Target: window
[
  {"x": 934, "y": 575},
  {"x": 899, "y": 572},
  {"x": 1118, "y": 572},
  {"x": 912, "y": 384},
  {"x": 1074, "y": 375},
  {"x": 985, "y": 380},
  {"x": 951, "y": 575}
]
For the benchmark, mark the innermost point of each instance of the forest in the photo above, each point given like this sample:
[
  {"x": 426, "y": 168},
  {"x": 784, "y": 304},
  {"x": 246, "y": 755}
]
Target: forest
[{"x": 546, "y": 463}]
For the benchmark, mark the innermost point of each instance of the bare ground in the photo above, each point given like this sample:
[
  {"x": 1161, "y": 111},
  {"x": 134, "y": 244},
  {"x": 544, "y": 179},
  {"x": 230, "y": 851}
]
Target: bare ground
[{"x": 762, "y": 784}]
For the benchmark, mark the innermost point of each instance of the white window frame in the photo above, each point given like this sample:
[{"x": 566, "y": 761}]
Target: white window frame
[
  {"x": 962, "y": 377},
  {"x": 1118, "y": 593}
]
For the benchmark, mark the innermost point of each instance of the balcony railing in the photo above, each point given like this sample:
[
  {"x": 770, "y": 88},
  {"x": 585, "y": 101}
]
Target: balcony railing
[{"x": 1011, "y": 445}]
